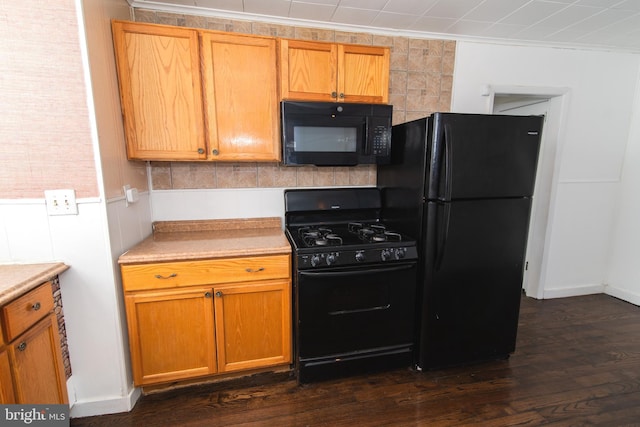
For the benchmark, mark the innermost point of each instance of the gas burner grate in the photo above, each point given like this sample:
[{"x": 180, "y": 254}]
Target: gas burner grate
[
  {"x": 319, "y": 236},
  {"x": 373, "y": 233}
]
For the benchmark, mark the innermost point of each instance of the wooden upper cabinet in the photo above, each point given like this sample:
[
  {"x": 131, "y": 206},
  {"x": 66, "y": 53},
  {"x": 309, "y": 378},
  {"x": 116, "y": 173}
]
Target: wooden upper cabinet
[
  {"x": 160, "y": 91},
  {"x": 308, "y": 70},
  {"x": 241, "y": 97},
  {"x": 363, "y": 73},
  {"x": 191, "y": 94},
  {"x": 316, "y": 71}
]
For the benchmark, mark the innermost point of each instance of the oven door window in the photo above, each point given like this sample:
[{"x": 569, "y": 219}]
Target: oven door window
[{"x": 353, "y": 309}]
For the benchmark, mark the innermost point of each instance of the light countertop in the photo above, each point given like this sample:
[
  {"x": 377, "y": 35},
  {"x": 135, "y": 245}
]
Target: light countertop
[
  {"x": 18, "y": 279},
  {"x": 208, "y": 239}
]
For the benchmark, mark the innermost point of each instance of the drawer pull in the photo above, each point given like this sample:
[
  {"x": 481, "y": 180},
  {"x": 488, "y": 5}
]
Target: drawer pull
[
  {"x": 251, "y": 270},
  {"x": 36, "y": 306},
  {"x": 22, "y": 346},
  {"x": 171, "y": 276}
]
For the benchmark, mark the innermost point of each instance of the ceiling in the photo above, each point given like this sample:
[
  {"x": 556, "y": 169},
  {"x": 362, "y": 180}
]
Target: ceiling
[{"x": 590, "y": 24}]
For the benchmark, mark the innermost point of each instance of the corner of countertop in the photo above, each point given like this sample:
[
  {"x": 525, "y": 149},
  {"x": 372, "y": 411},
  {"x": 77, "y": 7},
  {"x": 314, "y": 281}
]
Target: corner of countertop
[{"x": 17, "y": 279}]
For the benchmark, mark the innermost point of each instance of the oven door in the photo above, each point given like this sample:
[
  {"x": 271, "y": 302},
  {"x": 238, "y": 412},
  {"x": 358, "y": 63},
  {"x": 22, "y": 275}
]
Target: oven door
[{"x": 349, "y": 310}]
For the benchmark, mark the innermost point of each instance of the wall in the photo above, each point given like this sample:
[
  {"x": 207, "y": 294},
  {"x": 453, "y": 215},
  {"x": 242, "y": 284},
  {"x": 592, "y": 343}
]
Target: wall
[
  {"x": 45, "y": 130},
  {"x": 53, "y": 117},
  {"x": 102, "y": 379},
  {"x": 593, "y": 138},
  {"x": 116, "y": 169},
  {"x": 421, "y": 78},
  {"x": 624, "y": 275},
  {"x": 585, "y": 207}
]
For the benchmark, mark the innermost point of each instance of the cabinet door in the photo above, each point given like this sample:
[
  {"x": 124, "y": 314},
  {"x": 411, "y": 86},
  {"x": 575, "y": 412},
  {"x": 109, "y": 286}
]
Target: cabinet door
[
  {"x": 38, "y": 369},
  {"x": 160, "y": 91},
  {"x": 241, "y": 97},
  {"x": 253, "y": 325},
  {"x": 363, "y": 74},
  {"x": 308, "y": 70},
  {"x": 6, "y": 384},
  {"x": 171, "y": 335}
]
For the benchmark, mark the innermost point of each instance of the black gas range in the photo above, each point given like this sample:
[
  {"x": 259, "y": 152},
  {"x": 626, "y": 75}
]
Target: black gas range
[{"x": 354, "y": 284}]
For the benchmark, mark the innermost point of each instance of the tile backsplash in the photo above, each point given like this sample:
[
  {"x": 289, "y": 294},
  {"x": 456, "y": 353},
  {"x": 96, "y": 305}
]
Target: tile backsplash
[
  {"x": 421, "y": 77},
  {"x": 192, "y": 175}
]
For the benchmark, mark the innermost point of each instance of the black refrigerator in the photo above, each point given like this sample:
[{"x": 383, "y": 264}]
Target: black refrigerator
[{"x": 462, "y": 184}]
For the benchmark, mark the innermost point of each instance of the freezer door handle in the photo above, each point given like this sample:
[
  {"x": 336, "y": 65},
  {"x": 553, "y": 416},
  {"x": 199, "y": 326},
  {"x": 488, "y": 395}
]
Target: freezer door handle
[
  {"x": 448, "y": 162},
  {"x": 444, "y": 214}
]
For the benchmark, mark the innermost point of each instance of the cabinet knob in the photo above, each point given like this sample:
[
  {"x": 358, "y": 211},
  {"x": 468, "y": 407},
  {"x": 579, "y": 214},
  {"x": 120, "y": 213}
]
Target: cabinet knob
[
  {"x": 334, "y": 94},
  {"x": 207, "y": 294},
  {"x": 219, "y": 294},
  {"x": 342, "y": 95},
  {"x": 36, "y": 306},
  {"x": 22, "y": 346},
  {"x": 215, "y": 152},
  {"x": 200, "y": 150}
]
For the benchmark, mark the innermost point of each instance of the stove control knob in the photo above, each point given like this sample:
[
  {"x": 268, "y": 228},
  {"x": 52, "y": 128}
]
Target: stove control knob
[
  {"x": 315, "y": 260},
  {"x": 360, "y": 257},
  {"x": 331, "y": 258},
  {"x": 400, "y": 253},
  {"x": 386, "y": 254}
]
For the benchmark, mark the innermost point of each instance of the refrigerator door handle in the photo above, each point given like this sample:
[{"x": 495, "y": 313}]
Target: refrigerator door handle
[
  {"x": 448, "y": 162},
  {"x": 443, "y": 232}
]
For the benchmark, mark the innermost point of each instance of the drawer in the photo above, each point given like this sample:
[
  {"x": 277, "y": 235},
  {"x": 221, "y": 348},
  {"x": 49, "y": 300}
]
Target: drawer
[
  {"x": 204, "y": 272},
  {"x": 22, "y": 313}
]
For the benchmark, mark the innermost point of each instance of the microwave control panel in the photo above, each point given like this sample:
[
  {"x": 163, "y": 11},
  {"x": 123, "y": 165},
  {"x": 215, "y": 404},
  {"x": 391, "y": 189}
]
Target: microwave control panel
[{"x": 381, "y": 141}]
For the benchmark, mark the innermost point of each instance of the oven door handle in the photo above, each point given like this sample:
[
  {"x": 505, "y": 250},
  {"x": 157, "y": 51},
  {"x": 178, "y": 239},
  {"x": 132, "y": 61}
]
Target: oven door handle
[
  {"x": 359, "y": 310},
  {"x": 356, "y": 272}
]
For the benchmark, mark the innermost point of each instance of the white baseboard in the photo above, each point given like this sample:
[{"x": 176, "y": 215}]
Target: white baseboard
[
  {"x": 106, "y": 406},
  {"x": 573, "y": 291},
  {"x": 632, "y": 297}
]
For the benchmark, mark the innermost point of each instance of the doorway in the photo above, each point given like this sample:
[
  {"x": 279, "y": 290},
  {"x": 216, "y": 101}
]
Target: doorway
[{"x": 548, "y": 105}]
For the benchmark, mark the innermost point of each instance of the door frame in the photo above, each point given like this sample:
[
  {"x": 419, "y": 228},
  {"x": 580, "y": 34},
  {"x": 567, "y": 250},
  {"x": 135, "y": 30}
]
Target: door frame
[{"x": 549, "y": 162}]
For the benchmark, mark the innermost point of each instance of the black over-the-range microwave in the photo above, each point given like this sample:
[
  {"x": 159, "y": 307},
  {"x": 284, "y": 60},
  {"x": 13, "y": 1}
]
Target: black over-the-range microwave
[{"x": 335, "y": 134}]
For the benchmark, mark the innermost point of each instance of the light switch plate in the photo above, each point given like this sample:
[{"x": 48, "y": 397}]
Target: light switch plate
[{"x": 61, "y": 202}]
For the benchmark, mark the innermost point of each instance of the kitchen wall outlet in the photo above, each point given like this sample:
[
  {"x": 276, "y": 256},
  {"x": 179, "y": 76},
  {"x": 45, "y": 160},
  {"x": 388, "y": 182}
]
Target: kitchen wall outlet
[
  {"x": 61, "y": 202},
  {"x": 130, "y": 194}
]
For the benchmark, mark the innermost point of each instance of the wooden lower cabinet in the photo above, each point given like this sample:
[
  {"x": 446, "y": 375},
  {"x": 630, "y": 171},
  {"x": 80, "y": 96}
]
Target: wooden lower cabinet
[
  {"x": 38, "y": 371},
  {"x": 31, "y": 365},
  {"x": 253, "y": 325},
  {"x": 6, "y": 384},
  {"x": 199, "y": 331},
  {"x": 171, "y": 335}
]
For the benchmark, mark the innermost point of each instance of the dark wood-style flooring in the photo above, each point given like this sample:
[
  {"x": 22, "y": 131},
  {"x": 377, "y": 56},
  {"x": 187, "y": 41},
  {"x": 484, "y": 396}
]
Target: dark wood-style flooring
[{"x": 577, "y": 363}]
